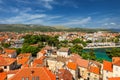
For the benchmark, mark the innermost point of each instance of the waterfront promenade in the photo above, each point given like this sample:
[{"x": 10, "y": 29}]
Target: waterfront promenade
[{"x": 101, "y": 45}]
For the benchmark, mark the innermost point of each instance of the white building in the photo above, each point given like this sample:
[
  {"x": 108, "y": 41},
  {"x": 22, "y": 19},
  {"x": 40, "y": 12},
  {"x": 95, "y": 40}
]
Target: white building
[
  {"x": 116, "y": 66},
  {"x": 107, "y": 70},
  {"x": 63, "y": 52}
]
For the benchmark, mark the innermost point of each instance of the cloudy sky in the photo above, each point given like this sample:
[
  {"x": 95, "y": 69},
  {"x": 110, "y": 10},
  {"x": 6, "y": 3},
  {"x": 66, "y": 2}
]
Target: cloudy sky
[{"x": 72, "y": 13}]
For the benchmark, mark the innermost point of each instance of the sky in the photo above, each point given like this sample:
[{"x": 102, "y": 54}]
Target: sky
[{"x": 70, "y": 13}]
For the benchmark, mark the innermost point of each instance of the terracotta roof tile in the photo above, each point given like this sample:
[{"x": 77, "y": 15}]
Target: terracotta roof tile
[
  {"x": 94, "y": 69},
  {"x": 74, "y": 57},
  {"x": 114, "y": 78},
  {"x": 9, "y": 51},
  {"x": 42, "y": 73},
  {"x": 3, "y": 76},
  {"x": 42, "y": 52},
  {"x": 107, "y": 66},
  {"x": 12, "y": 71},
  {"x": 82, "y": 63},
  {"x": 6, "y": 61},
  {"x": 116, "y": 61},
  {"x": 64, "y": 74},
  {"x": 72, "y": 65},
  {"x": 23, "y": 58},
  {"x": 38, "y": 61},
  {"x": 22, "y": 61}
]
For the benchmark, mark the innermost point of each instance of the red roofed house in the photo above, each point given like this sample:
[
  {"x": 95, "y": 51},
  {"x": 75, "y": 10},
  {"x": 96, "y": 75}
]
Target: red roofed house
[
  {"x": 39, "y": 62},
  {"x": 48, "y": 50},
  {"x": 72, "y": 67},
  {"x": 24, "y": 58},
  {"x": 7, "y": 63},
  {"x": 10, "y": 52},
  {"x": 107, "y": 70},
  {"x": 94, "y": 73},
  {"x": 116, "y": 66},
  {"x": 83, "y": 68},
  {"x": 33, "y": 73},
  {"x": 41, "y": 53}
]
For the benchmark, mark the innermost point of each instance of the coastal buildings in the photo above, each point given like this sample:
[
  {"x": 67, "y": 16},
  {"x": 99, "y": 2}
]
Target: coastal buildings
[{"x": 59, "y": 63}]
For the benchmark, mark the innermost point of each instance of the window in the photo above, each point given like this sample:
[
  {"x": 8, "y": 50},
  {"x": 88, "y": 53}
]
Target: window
[
  {"x": 107, "y": 77},
  {"x": 33, "y": 78},
  {"x": 116, "y": 69},
  {"x": 5, "y": 67},
  {"x": 23, "y": 78},
  {"x": 37, "y": 78},
  {"x": 27, "y": 78},
  {"x": 88, "y": 74}
]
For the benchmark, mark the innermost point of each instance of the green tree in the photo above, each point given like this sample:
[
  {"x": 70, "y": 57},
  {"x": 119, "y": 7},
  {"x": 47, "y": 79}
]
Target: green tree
[
  {"x": 114, "y": 52},
  {"x": 6, "y": 45},
  {"x": 76, "y": 49},
  {"x": 76, "y": 41},
  {"x": 30, "y": 49},
  {"x": 18, "y": 50}
]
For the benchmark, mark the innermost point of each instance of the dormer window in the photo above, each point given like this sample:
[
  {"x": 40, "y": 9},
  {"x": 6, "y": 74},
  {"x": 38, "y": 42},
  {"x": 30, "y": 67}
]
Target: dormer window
[
  {"x": 25, "y": 78},
  {"x": 37, "y": 78}
]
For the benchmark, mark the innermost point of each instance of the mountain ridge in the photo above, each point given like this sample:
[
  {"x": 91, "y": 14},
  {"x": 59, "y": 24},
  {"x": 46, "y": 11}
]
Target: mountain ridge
[{"x": 35, "y": 27}]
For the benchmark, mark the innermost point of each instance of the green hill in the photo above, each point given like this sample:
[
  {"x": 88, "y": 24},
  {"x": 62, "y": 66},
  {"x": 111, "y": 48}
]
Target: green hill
[{"x": 31, "y": 27}]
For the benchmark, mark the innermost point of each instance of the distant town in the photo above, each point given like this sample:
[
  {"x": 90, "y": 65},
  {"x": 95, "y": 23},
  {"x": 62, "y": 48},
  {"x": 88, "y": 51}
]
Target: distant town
[{"x": 59, "y": 56}]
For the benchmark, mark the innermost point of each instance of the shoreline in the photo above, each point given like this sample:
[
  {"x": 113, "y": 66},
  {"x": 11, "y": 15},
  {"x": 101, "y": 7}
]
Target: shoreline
[{"x": 100, "y": 47}]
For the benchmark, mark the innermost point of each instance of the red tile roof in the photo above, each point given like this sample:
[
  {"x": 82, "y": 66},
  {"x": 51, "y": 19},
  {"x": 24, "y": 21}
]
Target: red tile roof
[
  {"x": 22, "y": 61},
  {"x": 12, "y": 71},
  {"x": 41, "y": 72},
  {"x": 114, "y": 78},
  {"x": 72, "y": 65},
  {"x": 6, "y": 61},
  {"x": 74, "y": 57},
  {"x": 82, "y": 63},
  {"x": 23, "y": 58},
  {"x": 64, "y": 74},
  {"x": 107, "y": 66},
  {"x": 9, "y": 51},
  {"x": 116, "y": 61},
  {"x": 42, "y": 52},
  {"x": 3, "y": 76},
  {"x": 39, "y": 61},
  {"x": 94, "y": 69}
]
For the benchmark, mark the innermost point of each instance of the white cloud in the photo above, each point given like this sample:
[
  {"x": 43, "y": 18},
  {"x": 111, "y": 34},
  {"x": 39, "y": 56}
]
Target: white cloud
[
  {"x": 47, "y": 3},
  {"x": 78, "y": 22},
  {"x": 27, "y": 18},
  {"x": 112, "y": 23},
  {"x": 105, "y": 24},
  {"x": 22, "y": 18},
  {"x": 109, "y": 24}
]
